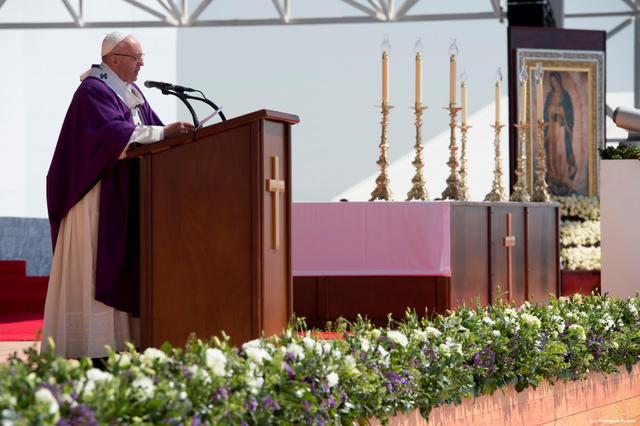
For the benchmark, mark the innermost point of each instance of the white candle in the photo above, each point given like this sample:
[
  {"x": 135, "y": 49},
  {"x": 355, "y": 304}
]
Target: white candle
[{"x": 463, "y": 95}]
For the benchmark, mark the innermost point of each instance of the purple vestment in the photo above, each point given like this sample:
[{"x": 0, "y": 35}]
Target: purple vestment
[{"x": 95, "y": 131}]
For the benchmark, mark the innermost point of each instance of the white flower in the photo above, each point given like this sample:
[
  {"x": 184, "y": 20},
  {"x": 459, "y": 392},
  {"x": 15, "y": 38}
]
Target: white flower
[
  {"x": 444, "y": 351},
  {"x": 257, "y": 355},
  {"x": 299, "y": 393},
  {"x": 488, "y": 321},
  {"x": 398, "y": 337},
  {"x": 216, "y": 361},
  {"x": 365, "y": 345},
  {"x": 7, "y": 417},
  {"x": 511, "y": 312},
  {"x": 332, "y": 379},
  {"x": 124, "y": 360},
  {"x": 96, "y": 375},
  {"x": 419, "y": 335},
  {"x": 496, "y": 333},
  {"x": 531, "y": 320},
  {"x": 255, "y": 383},
  {"x": 199, "y": 373},
  {"x": 578, "y": 331},
  {"x": 153, "y": 354},
  {"x": 350, "y": 364},
  {"x": 182, "y": 395},
  {"x": 384, "y": 355},
  {"x": 375, "y": 333},
  {"x": 326, "y": 347},
  {"x": 296, "y": 350},
  {"x": 633, "y": 309},
  {"x": 255, "y": 343},
  {"x": 145, "y": 384},
  {"x": 432, "y": 332},
  {"x": 309, "y": 342},
  {"x": 45, "y": 397}
]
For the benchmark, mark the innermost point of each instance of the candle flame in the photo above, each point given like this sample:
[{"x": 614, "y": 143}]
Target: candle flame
[
  {"x": 539, "y": 72},
  {"x": 453, "y": 48},
  {"x": 523, "y": 74},
  {"x": 386, "y": 45},
  {"x": 463, "y": 77},
  {"x": 418, "y": 47}
]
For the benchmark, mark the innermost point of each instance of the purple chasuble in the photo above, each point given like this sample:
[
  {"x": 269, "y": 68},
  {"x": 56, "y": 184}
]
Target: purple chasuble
[{"x": 95, "y": 131}]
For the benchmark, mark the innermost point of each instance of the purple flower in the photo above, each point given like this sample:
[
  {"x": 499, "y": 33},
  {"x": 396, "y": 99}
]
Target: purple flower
[
  {"x": 80, "y": 415},
  {"x": 220, "y": 394},
  {"x": 290, "y": 372},
  {"x": 289, "y": 357},
  {"x": 306, "y": 406},
  {"x": 270, "y": 404},
  {"x": 251, "y": 404}
]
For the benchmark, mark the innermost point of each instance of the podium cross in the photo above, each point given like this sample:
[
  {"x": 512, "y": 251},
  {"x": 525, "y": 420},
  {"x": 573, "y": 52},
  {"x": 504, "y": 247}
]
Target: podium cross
[
  {"x": 275, "y": 186},
  {"x": 509, "y": 242}
]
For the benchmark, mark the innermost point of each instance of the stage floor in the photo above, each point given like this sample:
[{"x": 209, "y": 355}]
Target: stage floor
[{"x": 7, "y": 348}]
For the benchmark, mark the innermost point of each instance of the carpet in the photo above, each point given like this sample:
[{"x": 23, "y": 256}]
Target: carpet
[{"x": 20, "y": 326}]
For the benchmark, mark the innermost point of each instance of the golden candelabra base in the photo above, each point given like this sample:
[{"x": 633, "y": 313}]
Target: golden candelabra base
[
  {"x": 453, "y": 190},
  {"x": 540, "y": 186},
  {"x": 464, "y": 189},
  {"x": 497, "y": 189},
  {"x": 520, "y": 189},
  {"x": 382, "y": 191},
  {"x": 418, "y": 190}
]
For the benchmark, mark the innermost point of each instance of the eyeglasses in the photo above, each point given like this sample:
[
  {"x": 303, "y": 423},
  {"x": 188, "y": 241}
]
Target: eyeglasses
[{"x": 136, "y": 58}]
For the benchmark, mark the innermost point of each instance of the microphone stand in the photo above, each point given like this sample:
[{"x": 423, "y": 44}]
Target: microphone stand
[
  {"x": 184, "y": 98},
  {"x": 180, "y": 95}
]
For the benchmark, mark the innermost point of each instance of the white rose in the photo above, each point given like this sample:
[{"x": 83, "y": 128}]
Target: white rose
[
  {"x": 296, "y": 350},
  {"x": 124, "y": 360},
  {"x": 145, "y": 384},
  {"x": 365, "y": 345},
  {"x": 153, "y": 354},
  {"x": 45, "y": 397},
  {"x": 96, "y": 375},
  {"x": 257, "y": 355},
  {"x": 332, "y": 379},
  {"x": 433, "y": 332},
  {"x": 216, "y": 361},
  {"x": 398, "y": 337},
  {"x": 309, "y": 343}
]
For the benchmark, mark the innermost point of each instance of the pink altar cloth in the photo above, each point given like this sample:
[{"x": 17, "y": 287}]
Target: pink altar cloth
[{"x": 371, "y": 239}]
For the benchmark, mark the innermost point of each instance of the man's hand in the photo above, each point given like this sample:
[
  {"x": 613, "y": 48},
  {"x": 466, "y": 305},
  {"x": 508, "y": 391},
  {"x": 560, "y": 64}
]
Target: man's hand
[{"x": 177, "y": 129}]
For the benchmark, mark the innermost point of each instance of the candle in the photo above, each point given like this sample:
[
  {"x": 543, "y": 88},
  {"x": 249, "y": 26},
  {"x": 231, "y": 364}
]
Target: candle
[
  {"x": 386, "y": 46},
  {"x": 539, "y": 73},
  {"x": 498, "y": 94},
  {"x": 418, "y": 49},
  {"x": 522, "y": 111},
  {"x": 385, "y": 76},
  {"x": 463, "y": 95},
  {"x": 453, "y": 53}
]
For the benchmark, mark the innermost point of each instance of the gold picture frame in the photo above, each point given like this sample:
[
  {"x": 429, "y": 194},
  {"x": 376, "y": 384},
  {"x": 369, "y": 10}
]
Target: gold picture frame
[{"x": 573, "y": 112}]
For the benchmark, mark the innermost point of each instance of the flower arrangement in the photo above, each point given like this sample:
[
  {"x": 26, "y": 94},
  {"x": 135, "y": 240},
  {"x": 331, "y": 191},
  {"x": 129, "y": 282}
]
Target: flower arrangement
[
  {"x": 620, "y": 152},
  {"x": 579, "y": 232},
  {"x": 296, "y": 378},
  {"x": 580, "y": 258},
  {"x": 574, "y": 233}
]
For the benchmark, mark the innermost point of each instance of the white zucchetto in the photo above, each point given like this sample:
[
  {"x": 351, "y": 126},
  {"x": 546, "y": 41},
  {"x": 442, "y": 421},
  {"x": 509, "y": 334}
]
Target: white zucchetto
[{"x": 111, "y": 40}]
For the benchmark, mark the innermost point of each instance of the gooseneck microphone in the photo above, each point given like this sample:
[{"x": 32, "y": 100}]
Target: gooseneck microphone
[{"x": 167, "y": 86}]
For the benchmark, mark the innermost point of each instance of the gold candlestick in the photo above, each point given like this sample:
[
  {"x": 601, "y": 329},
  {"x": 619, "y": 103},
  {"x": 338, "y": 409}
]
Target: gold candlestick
[
  {"x": 497, "y": 189},
  {"x": 540, "y": 186},
  {"x": 418, "y": 190},
  {"x": 382, "y": 191},
  {"x": 520, "y": 190},
  {"x": 452, "y": 191},
  {"x": 464, "y": 190}
]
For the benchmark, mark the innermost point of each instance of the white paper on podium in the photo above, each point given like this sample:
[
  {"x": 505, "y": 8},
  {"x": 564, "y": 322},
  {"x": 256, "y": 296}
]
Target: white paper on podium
[{"x": 209, "y": 117}]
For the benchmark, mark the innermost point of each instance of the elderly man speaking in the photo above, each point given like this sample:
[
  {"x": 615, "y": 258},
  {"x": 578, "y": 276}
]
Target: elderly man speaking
[{"x": 93, "y": 293}]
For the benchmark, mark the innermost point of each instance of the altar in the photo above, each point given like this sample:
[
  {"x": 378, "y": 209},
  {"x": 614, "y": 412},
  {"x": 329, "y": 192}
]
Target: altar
[{"x": 373, "y": 259}]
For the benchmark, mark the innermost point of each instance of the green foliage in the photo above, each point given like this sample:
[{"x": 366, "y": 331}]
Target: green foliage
[
  {"x": 297, "y": 378},
  {"x": 620, "y": 152}
]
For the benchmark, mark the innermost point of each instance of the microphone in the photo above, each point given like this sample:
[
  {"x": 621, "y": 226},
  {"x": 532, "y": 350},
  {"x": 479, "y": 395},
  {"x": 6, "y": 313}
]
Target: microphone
[{"x": 167, "y": 86}]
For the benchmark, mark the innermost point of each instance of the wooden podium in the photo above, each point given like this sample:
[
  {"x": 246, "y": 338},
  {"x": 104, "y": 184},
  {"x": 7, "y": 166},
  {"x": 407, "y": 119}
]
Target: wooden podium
[{"x": 215, "y": 231}]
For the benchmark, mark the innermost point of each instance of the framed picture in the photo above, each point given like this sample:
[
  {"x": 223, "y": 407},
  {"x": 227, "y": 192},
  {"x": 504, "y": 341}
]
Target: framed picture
[{"x": 572, "y": 109}]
